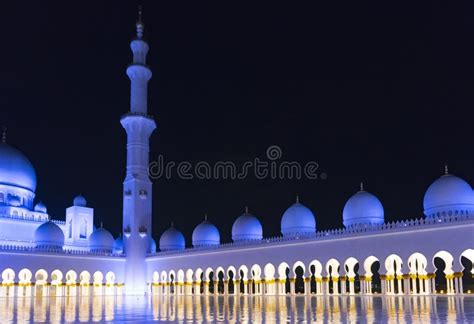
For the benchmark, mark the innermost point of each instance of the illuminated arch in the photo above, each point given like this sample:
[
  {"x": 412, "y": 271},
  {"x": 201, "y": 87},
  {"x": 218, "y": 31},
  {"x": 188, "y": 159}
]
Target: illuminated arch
[
  {"x": 41, "y": 276},
  {"x": 231, "y": 269},
  {"x": 197, "y": 274},
  {"x": 110, "y": 278},
  {"x": 299, "y": 264},
  {"x": 25, "y": 276},
  {"x": 349, "y": 267},
  {"x": 368, "y": 262},
  {"x": 391, "y": 262},
  {"x": 332, "y": 268},
  {"x": 468, "y": 254},
  {"x": 155, "y": 277},
  {"x": 417, "y": 263},
  {"x": 98, "y": 278},
  {"x": 180, "y": 276},
  {"x": 56, "y": 277},
  {"x": 189, "y": 275},
  {"x": 164, "y": 277},
  {"x": 245, "y": 271},
  {"x": 256, "y": 271},
  {"x": 219, "y": 270},
  {"x": 85, "y": 277},
  {"x": 318, "y": 268},
  {"x": 208, "y": 273},
  {"x": 282, "y": 270},
  {"x": 448, "y": 260},
  {"x": 8, "y": 276},
  {"x": 269, "y": 271}
]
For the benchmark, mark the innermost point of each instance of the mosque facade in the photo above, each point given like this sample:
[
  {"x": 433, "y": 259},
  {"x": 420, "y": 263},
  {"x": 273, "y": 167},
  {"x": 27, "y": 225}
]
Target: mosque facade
[{"x": 40, "y": 256}]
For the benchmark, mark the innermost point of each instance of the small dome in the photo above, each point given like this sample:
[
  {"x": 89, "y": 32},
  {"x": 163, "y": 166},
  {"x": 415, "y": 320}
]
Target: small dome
[
  {"x": 363, "y": 208},
  {"x": 41, "y": 208},
  {"x": 118, "y": 245},
  {"x": 298, "y": 220},
  {"x": 101, "y": 241},
  {"x": 247, "y": 227},
  {"x": 49, "y": 235},
  {"x": 15, "y": 168},
  {"x": 206, "y": 234},
  {"x": 14, "y": 201},
  {"x": 80, "y": 201},
  {"x": 171, "y": 240},
  {"x": 448, "y": 195},
  {"x": 152, "y": 246}
]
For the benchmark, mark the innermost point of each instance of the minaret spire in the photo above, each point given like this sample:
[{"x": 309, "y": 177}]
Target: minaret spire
[
  {"x": 140, "y": 24},
  {"x": 446, "y": 170},
  {"x": 297, "y": 199},
  {"x": 246, "y": 209},
  {"x": 361, "y": 186}
]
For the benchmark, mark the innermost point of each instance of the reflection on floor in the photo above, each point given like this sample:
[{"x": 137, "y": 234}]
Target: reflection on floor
[{"x": 243, "y": 309}]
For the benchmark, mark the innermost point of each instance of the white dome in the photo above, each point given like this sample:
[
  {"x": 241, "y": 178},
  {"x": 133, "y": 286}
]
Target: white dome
[
  {"x": 171, "y": 240},
  {"x": 206, "y": 234},
  {"x": 40, "y": 208},
  {"x": 49, "y": 236},
  {"x": 101, "y": 241},
  {"x": 247, "y": 227},
  {"x": 15, "y": 168},
  {"x": 80, "y": 201},
  {"x": 298, "y": 220},
  {"x": 363, "y": 208},
  {"x": 448, "y": 195}
]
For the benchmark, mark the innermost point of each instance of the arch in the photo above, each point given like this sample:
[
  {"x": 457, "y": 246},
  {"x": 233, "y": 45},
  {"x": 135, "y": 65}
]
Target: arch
[
  {"x": 243, "y": 269},
  {"x": 220, "y": 278},
  {"x": 71, "y": 277},
  {"x": 372, "y": 274},
  {"x": 298, "y": 264},
  {"x": 172, "y": 281},
  {"x": 315, "y": 270},
  {"x": 368, "y": 262},
  {"x": 349, "y": 267},
  {"x": 417, "y": 264},
  {"x": 466, "y": 259},
  {"x": 284, "y": 278},
  {"x": 197, "y": 274},
  {"x": 110, "y": 278},
  {"x": 98, "y": 278},
  {"x": 393, "y": 265},
  {"x": 8, "y": 276},
  {"x": 232, "y": 276},
  {"x": 443, "y": 264},
  {"x": 209, "y": 280},
  {"x": 155, "y": 277},
  {"x": 180, "y": 276},
  {"x": 85, "y": 277},
  {"x": 269, "y": 271},
  {"x": 189, "y": 275},
  {"x": 448, "y": 260},
  {"x": 41, "y": 276},
  {"x": 164, "y": 276},
  {"x": 25, "y": 276},
  {"x": 282, "y": 270},
  {"x": 56, "y": 277},
  {"x": 256, "y": 271},
  {"x": 243, "y": 277},
  {"x": 332, "y": 270}
]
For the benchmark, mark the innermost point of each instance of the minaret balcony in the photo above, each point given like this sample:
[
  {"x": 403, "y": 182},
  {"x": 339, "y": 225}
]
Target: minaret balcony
[
  {"x": 127, "y": 231},
  {"x": 142, "y": 231}
]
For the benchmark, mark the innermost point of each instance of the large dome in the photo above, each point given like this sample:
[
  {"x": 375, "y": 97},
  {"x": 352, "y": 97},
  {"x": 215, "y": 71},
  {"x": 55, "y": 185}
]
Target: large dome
[
  {"x": 298, "y": 220},
  {"x": 363, "y": 208},
  {"x": 101, "y": 241},
  {"x": 448, "y": 195},
  {"x": 247, "y": 227},
  {"x": 49, "y": 236},
  {"x": 206, "y": 234},
  {"x": 15, "y": 168},
  {"x": 172, "y": 240}
]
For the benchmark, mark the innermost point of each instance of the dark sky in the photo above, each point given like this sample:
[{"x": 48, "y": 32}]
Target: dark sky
[{"x": 371, "y": 92}]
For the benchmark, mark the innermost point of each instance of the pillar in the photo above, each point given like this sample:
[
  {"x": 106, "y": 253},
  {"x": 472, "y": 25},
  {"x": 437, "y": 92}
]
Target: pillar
[
  {"x": 307, "y": 286},
  {"x": 351, "y": 285},
  {"x": 292, "y": 286}
]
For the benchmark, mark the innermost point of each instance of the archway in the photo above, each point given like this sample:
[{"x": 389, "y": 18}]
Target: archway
[
  {"x": 8, "y": 280},
  {"x": 71, "y": 277},
  {"x": 351, "y": 266},
  {"x": 209, "y": 281},
  {"x": 199, "y": 276},
  {"x": 394, "y": 274},
  {"x": 467, "y": 262},
  {"x": 180, "y": 282},
  {"x": 269, "y": 276},
  {"x": 372, "y": 275},
  {"x": 243, "y": 277},
  {"x": 256, "y": 285},
  {"x": 299, "y": 277},
  {"x": 164, "y": 283},
  {"x": 56, "y": 282},
  {"x": 155, "y": 282},
  {"x": 189, "y": 287},
  {"x": 172, "y": 281},
  {"x": 284, "y": 278},
  {"x": 418, "y": 276},
  {"x": 231, "y": 280},
  {"x": 316, "y": 269},
  {"x": 443, "y": 281},
  {"x": 110, "y": 283},
  {"x": 333, "y": 283},
  {"x": 24, "y": 288},
  {"x": 41, "y": 277},
  {"x": 220, "y": 281}
]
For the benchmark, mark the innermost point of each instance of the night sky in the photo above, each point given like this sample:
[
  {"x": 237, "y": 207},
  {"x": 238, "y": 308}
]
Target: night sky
[{"x": 377, "y": 93}]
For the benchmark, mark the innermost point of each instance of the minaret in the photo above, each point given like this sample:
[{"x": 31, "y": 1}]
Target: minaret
[{"x": 137, "y": 185}]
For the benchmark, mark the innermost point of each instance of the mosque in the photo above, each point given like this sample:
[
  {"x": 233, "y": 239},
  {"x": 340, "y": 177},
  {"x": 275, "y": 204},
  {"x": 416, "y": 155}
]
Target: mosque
[{"x": 40, "y": 256}]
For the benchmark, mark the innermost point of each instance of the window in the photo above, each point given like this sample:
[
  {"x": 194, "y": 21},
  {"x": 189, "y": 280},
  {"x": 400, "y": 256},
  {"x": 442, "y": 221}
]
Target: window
[{"x": 83, "y": 231}]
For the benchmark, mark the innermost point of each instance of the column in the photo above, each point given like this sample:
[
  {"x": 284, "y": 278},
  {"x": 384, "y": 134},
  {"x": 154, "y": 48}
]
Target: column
[
  {"x": 335, "y": 286},
  {"x": 307, "y": 286},
  {"x": 343, "y": 286},
  {"x": 292, "y": 286},
  {"x": 400, "y": 283},
  {"x": 351, "y": 286}
]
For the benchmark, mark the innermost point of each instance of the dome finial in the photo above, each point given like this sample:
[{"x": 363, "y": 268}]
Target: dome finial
[
  {"x": 140, "y": 25},
  {"x": 172, "y": 224},
  {"x": 4, "y": 134},
  {"x": 297, "y": 199},
  {"x": 361, "y": 186},
  {"x": 205, "y": 217},
  {"x": 246, "y": 209},
  {"x": 446, "y": 170},
  {"x": 101, "y": 224}
]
